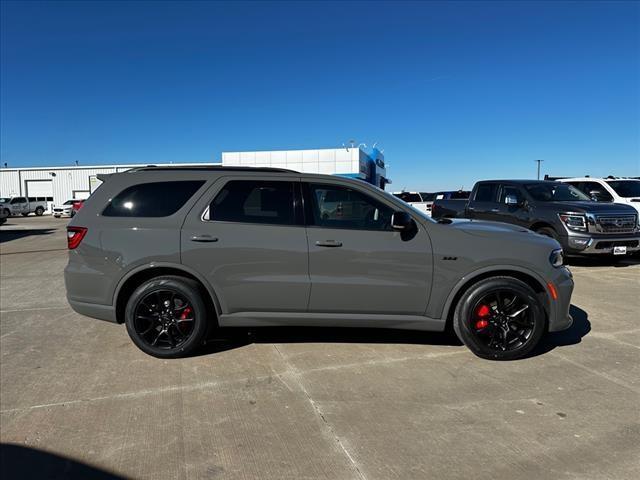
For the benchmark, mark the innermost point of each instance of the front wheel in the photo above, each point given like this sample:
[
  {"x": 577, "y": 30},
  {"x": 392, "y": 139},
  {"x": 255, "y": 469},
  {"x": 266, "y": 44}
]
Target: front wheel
[
  {"x": 500, "y": 318},
  {"x": 39, "y": 211},
  {"x": 166, "y": 317}
]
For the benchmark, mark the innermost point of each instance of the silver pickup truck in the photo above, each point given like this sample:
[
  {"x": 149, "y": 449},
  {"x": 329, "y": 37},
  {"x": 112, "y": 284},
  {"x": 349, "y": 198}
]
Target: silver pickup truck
[{"x": 23, "y": 205}]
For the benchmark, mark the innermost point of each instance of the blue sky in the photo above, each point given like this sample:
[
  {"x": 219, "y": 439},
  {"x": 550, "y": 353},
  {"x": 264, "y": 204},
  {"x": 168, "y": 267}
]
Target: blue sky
[{"x": 453, "y": 92}]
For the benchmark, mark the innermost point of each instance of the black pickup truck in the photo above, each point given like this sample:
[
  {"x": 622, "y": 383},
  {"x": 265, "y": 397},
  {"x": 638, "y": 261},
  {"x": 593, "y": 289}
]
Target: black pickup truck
[{"x": 554, "y": 209}]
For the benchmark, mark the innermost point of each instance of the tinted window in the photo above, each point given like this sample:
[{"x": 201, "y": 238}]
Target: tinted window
[
  {"x": 49, "y": 199},
  {"x": 427, "y": 197},
  {"x": 486, "y": 192},
  {"x": 251, "y": 201},
  {"x": 460, "y": 195},
  {"x": 555, "y": 192},
  {"x": 158, "y": 199},
  {"x": 342, "y": 207},
  {"x": 18, "y": 200},
  {"x": 596, "y": 190},
  {"x": 512, "y": 191},
  {"x": 626, "y": 188},
  {"x": 32, "y": 199}
]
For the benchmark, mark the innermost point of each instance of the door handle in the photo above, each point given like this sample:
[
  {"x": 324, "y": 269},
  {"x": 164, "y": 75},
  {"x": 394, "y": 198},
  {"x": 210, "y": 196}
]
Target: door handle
[
  {"x": 328, "y": 243},
  {"x": 203, "y": 238},
  {"x": 495, "y": 210}
]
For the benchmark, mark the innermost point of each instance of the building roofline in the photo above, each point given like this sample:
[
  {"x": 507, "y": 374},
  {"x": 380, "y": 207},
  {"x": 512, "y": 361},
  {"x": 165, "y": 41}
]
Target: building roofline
[{"x": 93, "y": 167}]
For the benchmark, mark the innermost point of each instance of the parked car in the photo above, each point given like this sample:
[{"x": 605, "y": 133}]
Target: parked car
[
  {"x": 420, "y": 200},
  {"x": 554, "y": 209},
  {"x": 64, "y": 210},
  {"x": 240, "y": 247},
  {"x": 23, "y": 205},
  {"x": 616, "y": 190}
]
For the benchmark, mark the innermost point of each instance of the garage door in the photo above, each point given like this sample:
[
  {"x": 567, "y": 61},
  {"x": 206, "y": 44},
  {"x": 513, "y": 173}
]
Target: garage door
[{"x": 39, "y": 188}]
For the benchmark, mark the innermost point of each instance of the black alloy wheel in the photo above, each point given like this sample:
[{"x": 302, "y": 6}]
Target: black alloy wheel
[
  {"x": 500, "y": 318},
  {"x": 167, "y": 317}
]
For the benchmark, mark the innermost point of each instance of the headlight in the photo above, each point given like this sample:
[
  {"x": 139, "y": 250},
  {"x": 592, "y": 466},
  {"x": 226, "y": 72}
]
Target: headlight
[
  {"x": 556, "y": 258},
  {"x": 574, "y": 222}
]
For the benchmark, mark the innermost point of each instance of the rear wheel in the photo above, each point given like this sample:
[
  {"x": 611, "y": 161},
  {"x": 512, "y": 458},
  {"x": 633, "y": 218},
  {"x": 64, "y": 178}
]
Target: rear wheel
[
  {"x": 167, "y": 317},
  {"x": 39, "y": 211},
  {"x": 500, "y": 318}
]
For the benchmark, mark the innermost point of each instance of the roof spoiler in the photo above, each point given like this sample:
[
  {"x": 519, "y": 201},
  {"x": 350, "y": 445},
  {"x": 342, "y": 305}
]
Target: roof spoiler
[{"x": 103, "y": 177}]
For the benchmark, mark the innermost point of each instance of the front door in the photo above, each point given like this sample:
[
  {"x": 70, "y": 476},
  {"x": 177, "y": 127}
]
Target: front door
[
  {"x": 357, "y": 263},
  {"x": 248, "y": 240}
]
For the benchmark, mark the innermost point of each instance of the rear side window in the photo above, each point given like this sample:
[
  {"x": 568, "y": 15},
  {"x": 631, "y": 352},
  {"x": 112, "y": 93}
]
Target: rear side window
[
  {"x": 249, "y": 201},
  {"x": 486, "y": 192},
  {"x": 159, "y": 199}
]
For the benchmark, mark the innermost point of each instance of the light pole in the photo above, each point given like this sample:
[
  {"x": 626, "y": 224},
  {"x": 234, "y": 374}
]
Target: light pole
[{"x": 539, "y": 162}]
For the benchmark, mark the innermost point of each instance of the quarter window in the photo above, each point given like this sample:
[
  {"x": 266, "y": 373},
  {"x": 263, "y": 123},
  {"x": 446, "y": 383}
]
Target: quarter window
[
  {"x": 335, "y": 206},
  {"x": 249, "y": 201},
  {"x": 159, "y": 199}
]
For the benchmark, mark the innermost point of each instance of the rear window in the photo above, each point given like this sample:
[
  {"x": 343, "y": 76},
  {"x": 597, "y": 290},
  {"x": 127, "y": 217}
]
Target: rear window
[
  {"x": 159, "y": 199},
  {"x": 486, "y": 192}
]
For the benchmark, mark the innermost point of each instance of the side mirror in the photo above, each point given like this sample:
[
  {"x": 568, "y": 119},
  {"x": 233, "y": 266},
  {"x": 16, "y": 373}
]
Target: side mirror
[
  {"x": 401, "y": 221},
  {"x": 512, "y": 200}
]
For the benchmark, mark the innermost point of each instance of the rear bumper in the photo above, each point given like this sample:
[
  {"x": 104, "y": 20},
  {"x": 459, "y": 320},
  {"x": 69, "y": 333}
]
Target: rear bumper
[{"x": 94, "y": 310}]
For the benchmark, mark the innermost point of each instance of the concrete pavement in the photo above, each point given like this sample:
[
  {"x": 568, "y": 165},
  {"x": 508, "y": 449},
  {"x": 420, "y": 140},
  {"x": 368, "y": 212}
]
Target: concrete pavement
[{"x": 77, "y": 396}]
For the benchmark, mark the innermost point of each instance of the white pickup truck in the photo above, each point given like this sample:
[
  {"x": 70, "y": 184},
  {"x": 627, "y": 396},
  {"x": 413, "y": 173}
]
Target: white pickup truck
[
  {"x": 23, "y": 205},
  {"x": 420, "y": 200},
  {"x": 610, "y": 189}
]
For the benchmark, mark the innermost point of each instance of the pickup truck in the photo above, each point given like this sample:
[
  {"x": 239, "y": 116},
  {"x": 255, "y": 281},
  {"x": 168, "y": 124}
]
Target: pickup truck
[
  {"x": 611, "y": 189},
  {"x": 557, "y": 210},
  {"x": 23, "y": 205},
  {"x": 420, "y": 200}
]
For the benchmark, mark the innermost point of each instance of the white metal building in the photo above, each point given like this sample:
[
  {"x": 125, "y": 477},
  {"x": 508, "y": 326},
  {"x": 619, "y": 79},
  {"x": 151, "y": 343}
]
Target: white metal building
[
  {"x": 58, "y": 183},
  {"x": 347, "y": 161}
]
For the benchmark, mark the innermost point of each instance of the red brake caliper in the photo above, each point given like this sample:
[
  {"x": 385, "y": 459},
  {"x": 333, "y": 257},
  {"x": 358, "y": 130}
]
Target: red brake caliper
[
  {"x": 482, "y": 312},
  {"x": 185, "y": 314}
]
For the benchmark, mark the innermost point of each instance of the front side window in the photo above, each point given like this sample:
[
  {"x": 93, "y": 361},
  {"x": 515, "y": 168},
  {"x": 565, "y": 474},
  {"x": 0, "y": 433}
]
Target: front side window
[
  {"x": 249, "y": 201},
  {"x": 555, "y": 192},
  {"x": 158, "y": 199},
  {"x": 486, "y": 192},
  {"x": 18, "y": 200},
  {"x": 626, "y": 188},
  {"x": 335, "y": 206},
  {"x": 511, "y": 192}
]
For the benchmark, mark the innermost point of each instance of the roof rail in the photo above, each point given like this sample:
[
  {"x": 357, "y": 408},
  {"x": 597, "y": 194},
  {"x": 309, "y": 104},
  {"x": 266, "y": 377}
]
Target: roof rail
[{"x": 210, "y": 168}]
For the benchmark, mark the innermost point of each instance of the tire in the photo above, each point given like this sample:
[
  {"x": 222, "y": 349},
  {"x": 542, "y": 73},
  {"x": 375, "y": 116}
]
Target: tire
[
  {"x": 487, "y": 340},
  {"x": 39, "y": 211},
  {"x": 7, "y": 212},
  {"x": 143, "y": 313},
  {"x": 24, "y": 214},
  {"x": 548, "y": 232}
]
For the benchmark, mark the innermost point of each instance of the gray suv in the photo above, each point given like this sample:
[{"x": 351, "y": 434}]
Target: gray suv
[{"x": 174, "y": 253}]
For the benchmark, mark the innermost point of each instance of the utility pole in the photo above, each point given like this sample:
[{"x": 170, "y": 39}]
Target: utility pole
[{"x": 539, "y": 162}]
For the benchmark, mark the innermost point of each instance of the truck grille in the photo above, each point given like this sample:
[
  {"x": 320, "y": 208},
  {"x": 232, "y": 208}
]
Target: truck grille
[{"x": 616, "y": 223}]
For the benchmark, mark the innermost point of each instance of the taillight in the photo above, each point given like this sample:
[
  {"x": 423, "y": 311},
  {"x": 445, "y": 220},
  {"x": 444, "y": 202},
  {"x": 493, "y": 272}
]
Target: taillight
[{"x": 75, "y": 236}]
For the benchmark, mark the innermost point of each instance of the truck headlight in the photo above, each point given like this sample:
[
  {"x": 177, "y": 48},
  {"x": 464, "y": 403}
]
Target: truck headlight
[
  {"x": 556, "y": 258},
  {"x": 574, "y": 222}
]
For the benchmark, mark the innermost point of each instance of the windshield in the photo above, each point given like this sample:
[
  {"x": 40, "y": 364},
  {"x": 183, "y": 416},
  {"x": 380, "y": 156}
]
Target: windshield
[
  {"x": 555, "y": 192},
  {"x": 395, "y": 199},
  {"x": 626, "y": 188}
]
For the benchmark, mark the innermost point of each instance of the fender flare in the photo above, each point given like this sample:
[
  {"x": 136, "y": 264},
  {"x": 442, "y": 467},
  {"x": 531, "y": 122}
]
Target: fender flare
[
  {"x": 489, "y": 269},
  {"x": 176, "y": 266}
]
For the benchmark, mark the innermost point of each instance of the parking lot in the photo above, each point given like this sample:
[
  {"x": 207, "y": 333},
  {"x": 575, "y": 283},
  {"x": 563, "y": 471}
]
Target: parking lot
[{"x": 78, "y": 399}]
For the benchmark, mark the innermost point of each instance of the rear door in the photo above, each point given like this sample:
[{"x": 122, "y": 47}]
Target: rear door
[
  {"x": 484, "y": 204},
  {"x": 246, "y": 236},
  {"x": 357, "y": 262}
]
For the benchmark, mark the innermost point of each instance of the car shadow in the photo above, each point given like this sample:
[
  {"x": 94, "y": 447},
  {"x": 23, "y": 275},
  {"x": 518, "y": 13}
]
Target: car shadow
[
  {"x": 8, "y": 235},
  {"x": 580, "y": 327},
  {"x": 230, "y": 338},
  {"x": 604, "y": 261},
  {"x": 17, "y": 461}
]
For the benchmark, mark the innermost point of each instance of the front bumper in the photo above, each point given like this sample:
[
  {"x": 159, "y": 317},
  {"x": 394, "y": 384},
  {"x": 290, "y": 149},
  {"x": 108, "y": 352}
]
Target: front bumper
[
  {"x": 602, "y": 244},
  {"x": 560, "y": 318}
]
